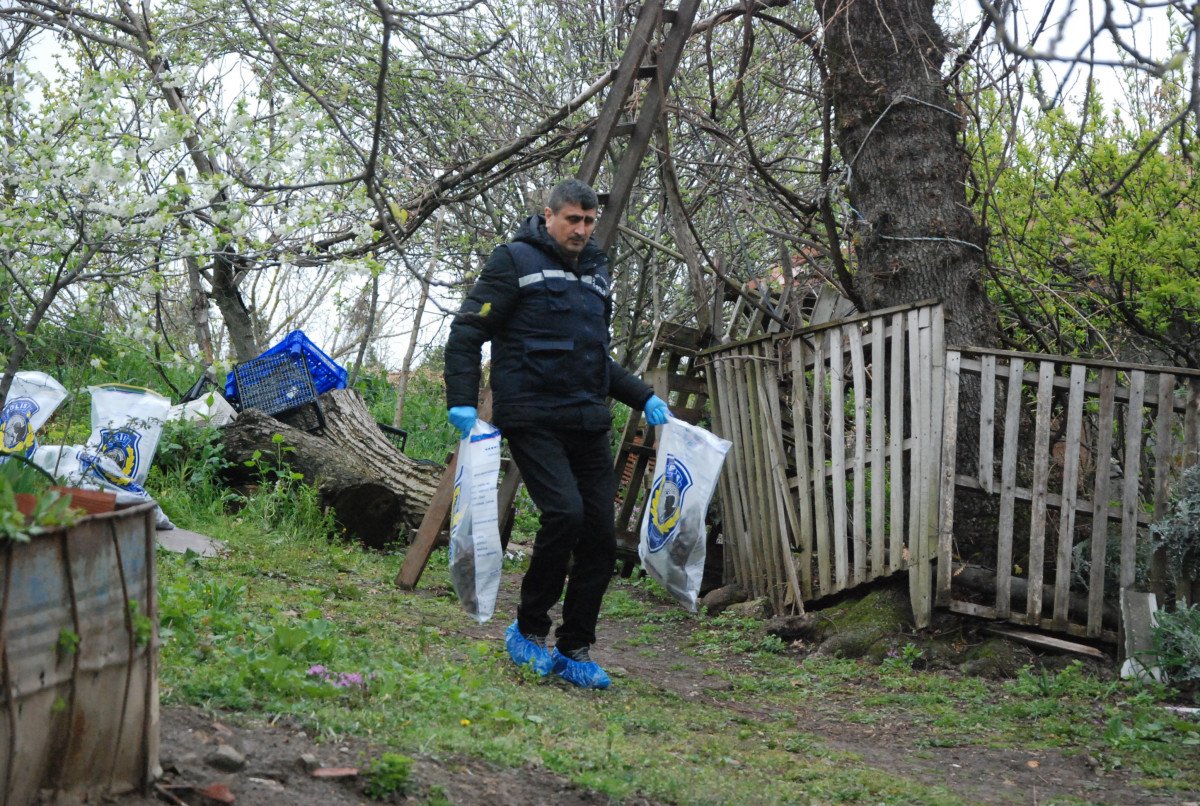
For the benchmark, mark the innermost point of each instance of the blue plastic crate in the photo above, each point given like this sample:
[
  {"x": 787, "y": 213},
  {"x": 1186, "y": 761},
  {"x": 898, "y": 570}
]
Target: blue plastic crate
[{"x": 326, "y": 373}]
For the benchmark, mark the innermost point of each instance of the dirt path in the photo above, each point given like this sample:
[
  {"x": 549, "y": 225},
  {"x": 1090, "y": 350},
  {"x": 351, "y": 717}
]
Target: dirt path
[{"x": 274, "y": 772}]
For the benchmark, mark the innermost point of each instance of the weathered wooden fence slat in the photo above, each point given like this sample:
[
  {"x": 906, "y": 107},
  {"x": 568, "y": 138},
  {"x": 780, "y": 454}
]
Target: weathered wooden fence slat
[
  {"x": 1131, "y": 467},
  {"x": 818, "y": 467},
  {"x": 949, "y": 460},
  {"x": 1008, "y": 484},
  {"x": 1072, "y": 437},
  {"x": 1041, "y": 475},
  {"x": 799, "y": 396},
  {"x": 858, "y": 377},
  {"x": 837, "y": 443},
  {"x": 896, "y": 445},
  {"x": 1104, "y": 444},
  {"x": 987, "y": 422},
  {"x": 878, "y": 429}
]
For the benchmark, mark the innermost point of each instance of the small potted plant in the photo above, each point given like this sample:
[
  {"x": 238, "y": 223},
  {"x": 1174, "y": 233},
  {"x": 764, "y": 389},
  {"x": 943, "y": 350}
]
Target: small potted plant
[{"x": 31, "y": 502}]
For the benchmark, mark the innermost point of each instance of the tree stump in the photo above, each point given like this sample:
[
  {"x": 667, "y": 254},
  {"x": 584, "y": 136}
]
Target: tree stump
[{"x": 374, "y": 490}]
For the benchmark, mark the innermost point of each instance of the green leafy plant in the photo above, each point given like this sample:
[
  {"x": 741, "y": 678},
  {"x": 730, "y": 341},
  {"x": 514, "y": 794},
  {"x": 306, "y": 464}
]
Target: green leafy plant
[
  {"x": 388, "y": 775},
  {"x": 1177, "y": 534},
  {"x": 1177, "y": 643}
]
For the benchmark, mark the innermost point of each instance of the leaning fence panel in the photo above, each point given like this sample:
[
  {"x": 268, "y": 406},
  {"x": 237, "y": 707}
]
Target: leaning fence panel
[{"x": 835, "y": 463}]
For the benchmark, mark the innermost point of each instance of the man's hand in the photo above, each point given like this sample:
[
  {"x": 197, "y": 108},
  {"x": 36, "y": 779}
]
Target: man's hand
[
  {"x": 656, "y": 411},
  {"x": 463, "y": 418}
]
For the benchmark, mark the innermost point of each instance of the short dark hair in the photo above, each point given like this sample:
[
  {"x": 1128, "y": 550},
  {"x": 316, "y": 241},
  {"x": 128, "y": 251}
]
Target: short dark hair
[{"x": 572, "y": 191}]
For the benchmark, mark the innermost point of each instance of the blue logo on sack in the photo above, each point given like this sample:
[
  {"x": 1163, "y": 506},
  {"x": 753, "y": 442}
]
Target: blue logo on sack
[
  {"x": 122, "y": 448},
  {"x": 16, "y": 426},
  {"x": 666, "y": 503}
]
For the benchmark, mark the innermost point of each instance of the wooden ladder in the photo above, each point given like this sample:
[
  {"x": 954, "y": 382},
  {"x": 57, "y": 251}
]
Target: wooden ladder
[{"x": 651, "y": 56}]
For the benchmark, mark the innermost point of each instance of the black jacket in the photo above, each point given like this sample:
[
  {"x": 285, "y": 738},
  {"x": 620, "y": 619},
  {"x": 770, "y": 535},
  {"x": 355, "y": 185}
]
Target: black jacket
[{"x": 548, "y": 325}]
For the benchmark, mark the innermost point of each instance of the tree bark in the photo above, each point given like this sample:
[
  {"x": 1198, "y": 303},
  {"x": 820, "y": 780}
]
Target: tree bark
[
  {"x": 914, "y": 236},
  {"x": 375, "y": 491}
]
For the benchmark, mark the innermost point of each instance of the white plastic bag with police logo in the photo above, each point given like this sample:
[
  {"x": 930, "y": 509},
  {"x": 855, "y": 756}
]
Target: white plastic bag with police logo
[
  {"x": 672, "y": 543},
  {"x": 32, "y": 398},
  {"x": 475, "y": 553},
  {"x": 127, "y": 422}
]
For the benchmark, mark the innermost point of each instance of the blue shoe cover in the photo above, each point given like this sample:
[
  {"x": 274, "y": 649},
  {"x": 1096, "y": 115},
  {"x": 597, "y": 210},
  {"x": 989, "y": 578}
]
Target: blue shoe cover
[
  {"x": 525, "y": 652},
  {"x": 585, "y": 673}
]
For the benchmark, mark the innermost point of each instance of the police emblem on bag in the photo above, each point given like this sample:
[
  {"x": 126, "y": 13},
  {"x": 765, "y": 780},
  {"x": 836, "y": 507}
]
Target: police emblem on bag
[
  {"x": 666, "y": 503},
  {"x": 121, "y": 447},
  {"x": 16, "y": 427}
]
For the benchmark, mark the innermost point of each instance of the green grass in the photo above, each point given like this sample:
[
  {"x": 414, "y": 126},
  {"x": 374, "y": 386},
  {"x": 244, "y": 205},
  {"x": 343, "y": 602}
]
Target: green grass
[{"x": 296, "y": 621}]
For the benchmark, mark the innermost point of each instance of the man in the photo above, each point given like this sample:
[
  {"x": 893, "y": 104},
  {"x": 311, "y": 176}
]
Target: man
[{"x": 543, "y": 300}]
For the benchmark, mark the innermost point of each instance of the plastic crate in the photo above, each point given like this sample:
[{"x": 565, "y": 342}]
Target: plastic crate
[
  {"x": 274, "y": 384},
  {"x": 326, "y": 373}
]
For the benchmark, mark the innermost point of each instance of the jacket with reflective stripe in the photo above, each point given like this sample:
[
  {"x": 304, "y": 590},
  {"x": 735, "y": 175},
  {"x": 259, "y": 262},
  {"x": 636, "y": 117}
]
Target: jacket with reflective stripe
[{"x": 548, "y": 325}]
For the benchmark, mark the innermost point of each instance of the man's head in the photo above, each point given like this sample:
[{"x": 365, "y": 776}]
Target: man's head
[{"x": 571, "y": 215}]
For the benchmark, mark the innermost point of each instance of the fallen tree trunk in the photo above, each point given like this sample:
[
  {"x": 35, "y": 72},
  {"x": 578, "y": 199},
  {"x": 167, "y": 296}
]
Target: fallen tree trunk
[
  {"x": 983, "y": 581},
  {"x": 374, "y": 490}
]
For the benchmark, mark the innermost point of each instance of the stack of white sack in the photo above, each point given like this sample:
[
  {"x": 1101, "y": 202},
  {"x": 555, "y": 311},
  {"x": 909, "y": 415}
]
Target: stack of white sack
[{"x": 127, "y": 423}]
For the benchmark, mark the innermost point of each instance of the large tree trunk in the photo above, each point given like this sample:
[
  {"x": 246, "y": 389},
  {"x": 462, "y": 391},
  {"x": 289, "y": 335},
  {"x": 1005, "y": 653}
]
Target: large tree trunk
[
  {"x": 913, "y": 234},
  {"x": 374, "y": 490}
]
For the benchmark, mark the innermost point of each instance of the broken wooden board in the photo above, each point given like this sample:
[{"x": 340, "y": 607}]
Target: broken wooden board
[{"x": 1048, "y": 642}]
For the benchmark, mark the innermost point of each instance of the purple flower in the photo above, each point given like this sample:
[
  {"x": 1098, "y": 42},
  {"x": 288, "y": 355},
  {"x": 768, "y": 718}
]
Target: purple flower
[{"x": 316, "y": 671}]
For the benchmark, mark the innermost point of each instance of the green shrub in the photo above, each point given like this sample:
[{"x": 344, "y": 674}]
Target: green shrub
[
  {"x": 390, "y": 774},
  {"x": 1177, "y": 642},
  {"x": 1178, "y": 533}
]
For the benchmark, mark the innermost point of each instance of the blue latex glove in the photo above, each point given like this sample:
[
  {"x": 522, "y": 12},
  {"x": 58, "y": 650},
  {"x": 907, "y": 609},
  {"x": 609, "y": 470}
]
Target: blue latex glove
[
  {"x": 463, "y": 418},
  {"x": 656, "y": 411}
]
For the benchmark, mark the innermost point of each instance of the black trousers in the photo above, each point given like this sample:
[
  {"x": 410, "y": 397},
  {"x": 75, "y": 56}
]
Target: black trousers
[{"x": 570, "y": 477}]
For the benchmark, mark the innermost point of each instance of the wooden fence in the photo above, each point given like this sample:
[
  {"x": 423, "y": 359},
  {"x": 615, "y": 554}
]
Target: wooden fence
[
  {"x": 832, "y": 479},
  {"x": 1082, "y": 456}
]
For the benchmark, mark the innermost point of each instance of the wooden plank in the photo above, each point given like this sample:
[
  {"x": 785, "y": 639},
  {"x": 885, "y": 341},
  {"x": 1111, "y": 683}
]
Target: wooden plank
[
  {"x": 741, "y": 485},
  {"x": 858, "y": 375},
  {"x": 768, "y": 519},
  {"x": 1163, "y": 455},
  {"x": 736, "y": 535},
  {"x": 619, "y": 90},
  {"x": 933, "y": 377},
  {"x": 1131, "y": 465},
  {"x": 1054, "y": 501},
  {"x": 945, "y": 558},
  {"x": 754, "y": 498},
  {"x": 1008, "y": 483},
  {"x": 1041, "y": 477},
  {"x": 878, "y": 441},
  {"x": 735, "y": 420},
  {"x": 1191, "y": 425},
  {"x": 1092, "y": 363},
  {"x": 837, "y": 451},
  {"x": 1100, "y": 493},
  {"x": 820, "y": 506},
  {"x": 918, "y": 414},
  {"x": 972, "y": 609},
  {"x": 987, "y": 423},
  {"x": 1070, "y": 492},
  {"x": 896, "y": 397},
  {"x": 801, "y": 460},
  {"x": 1047, "y": 641},
  {"x": 437, "y": 516},
  {"x": 1150, "y": 397},
  {"x": 785, "y": 503}
]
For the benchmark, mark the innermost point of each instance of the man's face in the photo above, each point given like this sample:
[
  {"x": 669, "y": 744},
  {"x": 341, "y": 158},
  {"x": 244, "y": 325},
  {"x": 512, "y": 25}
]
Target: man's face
[{"x": 571, "y": 227}]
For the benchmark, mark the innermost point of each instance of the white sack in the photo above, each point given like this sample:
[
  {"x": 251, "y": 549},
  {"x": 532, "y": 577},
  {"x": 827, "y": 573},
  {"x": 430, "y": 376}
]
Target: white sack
[
  {"x": 475, "y": 554},
  {"x": 32, "y": 398},
  {"x": 210, "y": 409},
  {"x": 673, "y": 534},
  {"x": 127, "y": 423}
]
